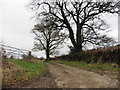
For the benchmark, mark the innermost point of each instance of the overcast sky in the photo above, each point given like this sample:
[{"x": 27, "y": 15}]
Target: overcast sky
[{"x": 16, "y": 25}]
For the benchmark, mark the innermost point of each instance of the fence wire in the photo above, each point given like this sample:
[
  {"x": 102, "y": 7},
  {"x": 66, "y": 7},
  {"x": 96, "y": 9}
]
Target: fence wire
[{"x": 11, "y": 52}]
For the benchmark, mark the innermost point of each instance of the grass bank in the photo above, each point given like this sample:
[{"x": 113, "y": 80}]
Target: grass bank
[
  {"x": 94, "y": 66},
  {"x": 20, "y": 70}
]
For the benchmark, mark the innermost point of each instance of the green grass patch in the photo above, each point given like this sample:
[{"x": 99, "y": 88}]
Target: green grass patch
[
  {"x": 20, "y": 70},
  {"x": 95, "y": 66},
  {"x": 31, "y": 69}
]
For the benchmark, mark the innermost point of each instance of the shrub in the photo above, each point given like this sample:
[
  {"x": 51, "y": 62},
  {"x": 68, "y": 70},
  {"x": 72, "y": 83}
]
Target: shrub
[{"x": 109, "y": 55}]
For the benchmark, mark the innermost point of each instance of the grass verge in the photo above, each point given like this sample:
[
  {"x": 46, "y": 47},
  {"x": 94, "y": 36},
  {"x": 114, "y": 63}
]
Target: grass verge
[
  {"x": 21, "y": 70},
  {"x": 95, "y": 66}
]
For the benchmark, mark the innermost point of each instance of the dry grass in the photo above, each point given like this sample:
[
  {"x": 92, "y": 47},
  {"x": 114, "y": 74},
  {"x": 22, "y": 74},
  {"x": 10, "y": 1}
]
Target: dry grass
[
  {"x": 0, "y": 77},
  {"x": 11, "y": 74},
  {"x": 15, "y": 71}
]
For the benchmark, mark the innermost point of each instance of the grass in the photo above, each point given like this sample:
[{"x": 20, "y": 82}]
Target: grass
[
  {"x": 30, "y": 68},
  {"x": 21, "y": 70},
  {"x": 80, "y": 64}
]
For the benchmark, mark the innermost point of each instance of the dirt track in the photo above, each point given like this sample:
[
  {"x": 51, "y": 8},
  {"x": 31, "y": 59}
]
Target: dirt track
[
  {"x": 63, "y": 76},
  {"x": 45, "y": 81},
  {"x": 70, "y": 77}
]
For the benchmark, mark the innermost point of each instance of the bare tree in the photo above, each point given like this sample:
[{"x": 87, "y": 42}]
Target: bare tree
[
  {"x": 47, "y": 36},
  {"x": 80, "y": 18}
]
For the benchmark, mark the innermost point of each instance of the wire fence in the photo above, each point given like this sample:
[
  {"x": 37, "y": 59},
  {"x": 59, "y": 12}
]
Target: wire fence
[{"x": 12, "y": 52}]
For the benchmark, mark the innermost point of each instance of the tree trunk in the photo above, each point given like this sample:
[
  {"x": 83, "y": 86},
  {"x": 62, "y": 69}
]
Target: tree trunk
[
  {"x": 78, "y": 42},
  {"x": 47, "y": 54},
  {"x": 78, "y": 47},
  {"x": 47, "y": 50}
]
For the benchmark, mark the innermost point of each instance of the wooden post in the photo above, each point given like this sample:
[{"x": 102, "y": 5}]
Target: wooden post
[
  {"x": 1, "y": 54},
  {"x": 1, "y": 67},
  {"x": 29, "y": 56}
]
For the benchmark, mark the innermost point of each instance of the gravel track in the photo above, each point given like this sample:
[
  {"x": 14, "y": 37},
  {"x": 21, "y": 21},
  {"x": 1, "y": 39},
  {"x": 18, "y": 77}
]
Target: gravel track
[{"x": 71, "y": 77}]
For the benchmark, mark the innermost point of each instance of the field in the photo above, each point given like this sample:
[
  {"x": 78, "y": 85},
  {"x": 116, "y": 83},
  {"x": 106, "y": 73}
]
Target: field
[{"x": 20, "y": 70}]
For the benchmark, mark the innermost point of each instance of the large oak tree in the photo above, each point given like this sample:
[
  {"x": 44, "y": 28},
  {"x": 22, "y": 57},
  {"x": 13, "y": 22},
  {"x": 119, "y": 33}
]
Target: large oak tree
[{"x": 80, "y": 18}]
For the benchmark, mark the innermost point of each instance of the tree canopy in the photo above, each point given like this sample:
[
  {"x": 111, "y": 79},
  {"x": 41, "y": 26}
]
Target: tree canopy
[{"x": 80, "y": 18}]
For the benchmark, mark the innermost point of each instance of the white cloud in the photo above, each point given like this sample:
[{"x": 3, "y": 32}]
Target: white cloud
[{"x": 112, "y": 21}]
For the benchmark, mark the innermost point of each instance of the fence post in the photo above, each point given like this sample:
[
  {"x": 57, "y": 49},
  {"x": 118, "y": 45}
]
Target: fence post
[
  {"x": 0, "y": 54},
  {"x": 29, "y": 56},
  {"x": 1, "y": 68}
]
